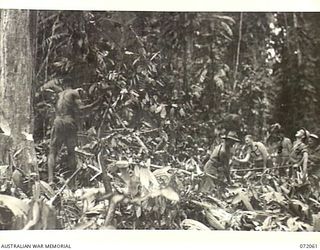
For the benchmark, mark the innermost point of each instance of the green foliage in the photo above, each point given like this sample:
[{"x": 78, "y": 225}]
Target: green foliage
[{"x": 166, "y": 80}]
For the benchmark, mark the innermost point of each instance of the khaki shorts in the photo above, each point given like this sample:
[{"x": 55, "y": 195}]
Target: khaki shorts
[
  {"x": 64, "y": 131},
  {"x": 214, "y": 168}
]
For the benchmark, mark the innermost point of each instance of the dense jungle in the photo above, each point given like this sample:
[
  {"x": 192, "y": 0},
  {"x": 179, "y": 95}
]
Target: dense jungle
[{"x": 168, "y": 88}]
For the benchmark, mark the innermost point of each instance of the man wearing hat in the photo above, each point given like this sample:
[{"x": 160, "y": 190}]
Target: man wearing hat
[
  {"x": 218, "y": 163},
  {"x": 299, "y": 154}
]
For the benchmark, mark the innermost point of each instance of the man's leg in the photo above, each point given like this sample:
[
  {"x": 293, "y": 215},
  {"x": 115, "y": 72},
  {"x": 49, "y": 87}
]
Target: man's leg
[
  {"x": 71, "y": 143},
  {"x": 55, "y": 145},
  {"x": 208, "y": 183},
  {"x": 51, "y": 163},
  {"x": 72, "y": 163},
  {"x": 226, "y": 173}
]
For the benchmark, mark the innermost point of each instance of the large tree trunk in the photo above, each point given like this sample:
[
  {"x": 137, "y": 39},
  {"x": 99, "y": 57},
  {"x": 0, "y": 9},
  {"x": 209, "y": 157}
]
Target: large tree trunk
[{"x": 16, "y": 78}]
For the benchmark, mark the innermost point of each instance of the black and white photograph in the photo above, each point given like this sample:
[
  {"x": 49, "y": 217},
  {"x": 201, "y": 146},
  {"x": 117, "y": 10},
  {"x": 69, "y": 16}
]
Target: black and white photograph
[{"x": 159, "y": 120}]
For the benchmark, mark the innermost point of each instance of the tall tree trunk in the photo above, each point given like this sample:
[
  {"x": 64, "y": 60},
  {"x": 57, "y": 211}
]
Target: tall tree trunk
[
  {"x": 16, "y": 77},
  {"x": 238, "y": 53}
]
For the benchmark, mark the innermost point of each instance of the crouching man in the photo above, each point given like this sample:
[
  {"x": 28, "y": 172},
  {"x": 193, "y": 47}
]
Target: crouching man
[{"x": 219, "y": 163}]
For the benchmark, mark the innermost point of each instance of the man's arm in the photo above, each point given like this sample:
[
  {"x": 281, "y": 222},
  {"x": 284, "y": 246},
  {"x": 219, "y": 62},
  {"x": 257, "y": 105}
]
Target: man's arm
[
  {"x": 245, "y": 159},
  {"x": 84, "y": 108},
  {"x": 265, "y": 154},
  {"x": 54, "y": 85},
  {"x": 304, "y": 165},
  {"x": 289, "y": 145},
  {"x": 314, "y": 158}
]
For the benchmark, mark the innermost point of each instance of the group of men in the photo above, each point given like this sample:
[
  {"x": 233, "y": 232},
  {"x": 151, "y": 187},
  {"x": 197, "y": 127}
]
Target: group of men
[{"x": 297, "y": 160}]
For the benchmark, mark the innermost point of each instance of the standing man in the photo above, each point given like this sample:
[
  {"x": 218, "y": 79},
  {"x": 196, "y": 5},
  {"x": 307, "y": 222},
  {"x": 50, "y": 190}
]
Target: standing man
[
  {"x": 218, "y": 164},
  {"x": 279, "y": 146},
  {"x": 257, "y": 151},
  {"x": 284, "y": 149},
  {"x": 65, "y": 127},
  {"x": 314, "y": 158},
  {"x": 299, "y": 155},
  {"x": 314, "y": 154}
]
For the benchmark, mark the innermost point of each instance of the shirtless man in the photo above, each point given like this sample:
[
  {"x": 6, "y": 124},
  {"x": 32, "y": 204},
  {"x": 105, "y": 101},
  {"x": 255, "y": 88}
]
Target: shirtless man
[
  {"x": 257, "y": 151},
  {"x": 65, "y": 127},
  {"x": 279, "y": 147}
]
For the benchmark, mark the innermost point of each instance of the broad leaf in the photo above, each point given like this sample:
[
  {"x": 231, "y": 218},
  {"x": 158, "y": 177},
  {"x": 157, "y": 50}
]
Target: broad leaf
[{"x": 170, "y": 194}]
